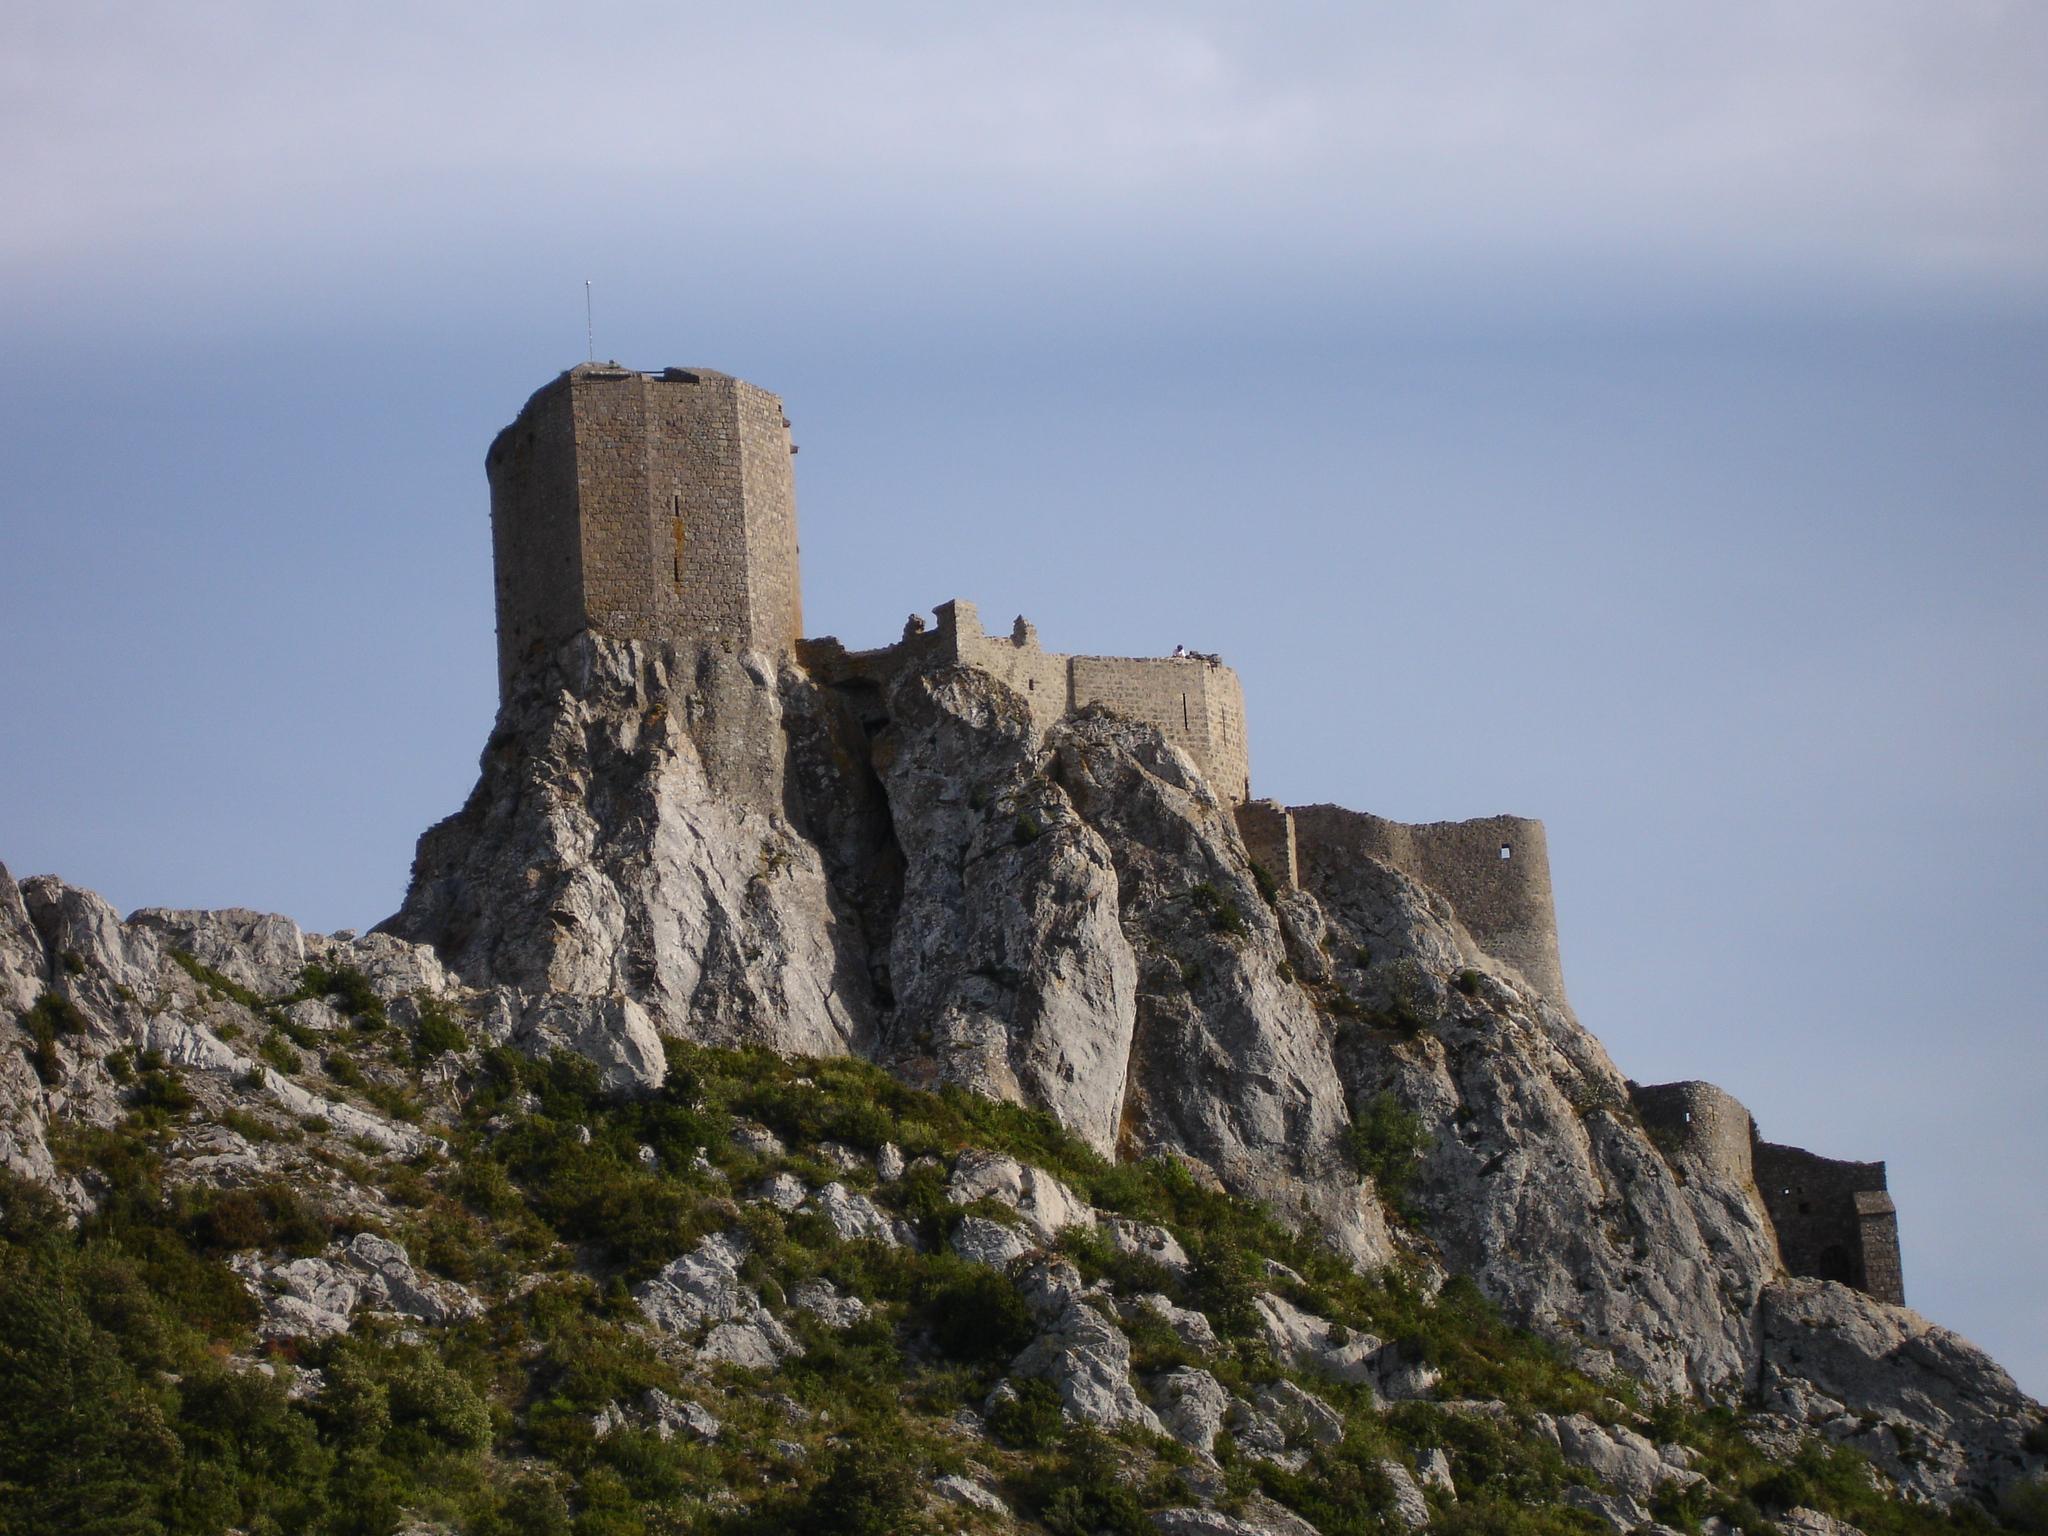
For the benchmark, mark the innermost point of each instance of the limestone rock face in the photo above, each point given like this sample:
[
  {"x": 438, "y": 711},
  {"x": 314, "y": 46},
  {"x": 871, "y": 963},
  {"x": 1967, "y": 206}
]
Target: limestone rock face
[
  {"x": 1230, "y": 1063},
  {"x": 1011, "y": 973},
  {"x": 24, "y": 1128},
  {"x": 597, "y": 856},
  {"x": 22, "y": 962},
  {"x": 701, "y": 848},
  {"x": 1088, "y": 1361},
  {"x": 1929, "y": 1407},
  {"x": 1538, "y": 1179}
]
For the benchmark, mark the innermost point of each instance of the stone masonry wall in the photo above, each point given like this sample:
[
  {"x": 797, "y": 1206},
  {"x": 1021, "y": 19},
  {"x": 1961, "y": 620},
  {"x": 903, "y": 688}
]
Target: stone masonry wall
[
  {"x": 1268, "y": 833},
  {"x": 1703, "y": 1123},
  {"x": 1835, "y": 1219},
  {"x": 768, "y": 475},
  {"x": 1040, "y": 676},
  {"x": 620, "y": 596},
  {"x": 1504, "y": 900},
  {"x": 645, "y": 506},
  {"x": 1197, "y": 705},
  {"x": 536, "y": 553},
  {"x": 693, "y": 508}
]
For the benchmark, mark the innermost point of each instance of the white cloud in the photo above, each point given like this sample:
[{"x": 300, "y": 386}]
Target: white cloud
[{"x": 1897, "y": 139}]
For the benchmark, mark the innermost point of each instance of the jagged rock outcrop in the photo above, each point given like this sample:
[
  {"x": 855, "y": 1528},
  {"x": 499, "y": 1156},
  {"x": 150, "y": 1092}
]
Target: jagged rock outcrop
[
  {"x": 1926, "y": 1405},
  {"x": 1078, "y": 928},
  {"x": 1066, "y": 920},
  {"x": 596, "y": 856},
  {"x": 1230, "y": 1065},
  {"x": 1538, "y": 1178},
  {"x": 1011, "y": 972}
]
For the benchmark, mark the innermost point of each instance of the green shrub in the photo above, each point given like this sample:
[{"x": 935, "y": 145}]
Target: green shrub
[
  {"x": 1386, "y": 1144},
  {"x": 272, "y": 1216},
  {"x": 157, "y": 1096},
  {"x": 1086, "y": 1495},
  {"x": 437, "y": 1032},
  {"x": 83, "y": 1445},
  {"x": 51, "y": 1016},
  {"x": 1033, "y": 1419},
  {"x": 213, "y": 980},
  {"x": 2025, "y": 1506},
  {"x": 359, "y": 1000},
  {"x": 1400, "y": 1015},
  {"x": 1468, "y": 982},
  {"x": 276, "y": 1050},
  {"x": 975, "y": 1314},
  {"x": 867, "y": 1490},
  {"x": 1263, "y": 879}
]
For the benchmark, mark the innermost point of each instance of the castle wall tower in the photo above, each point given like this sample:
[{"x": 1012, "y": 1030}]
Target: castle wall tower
[
  {"x": 645, "y": 506},
  {"x": 1494, "y": 871}
]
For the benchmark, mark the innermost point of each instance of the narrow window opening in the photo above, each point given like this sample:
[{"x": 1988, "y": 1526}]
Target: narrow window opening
[
  {"x": 1506, "y": 851},
  {"x": 675, "y": 512},
  {"x": 1031, "y": 685},
  {"x": 1688, "y": 1117},
  {"x": 1184, "y": 712}
]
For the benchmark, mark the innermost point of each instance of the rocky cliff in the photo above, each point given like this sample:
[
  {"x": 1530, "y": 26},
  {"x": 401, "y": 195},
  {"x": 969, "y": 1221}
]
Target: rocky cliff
[{"x": 1064, "y": 922}]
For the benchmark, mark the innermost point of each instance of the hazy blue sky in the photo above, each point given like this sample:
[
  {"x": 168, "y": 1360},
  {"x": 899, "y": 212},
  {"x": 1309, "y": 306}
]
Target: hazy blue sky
[{"x": 1630, "y": 416}]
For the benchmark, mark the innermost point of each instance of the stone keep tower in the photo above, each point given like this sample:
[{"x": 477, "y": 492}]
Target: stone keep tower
[{"x": 648, "y": 506}]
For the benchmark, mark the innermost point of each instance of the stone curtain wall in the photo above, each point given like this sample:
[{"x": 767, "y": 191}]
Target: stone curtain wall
[
  {"x": 1197, "y": 705},
  {"x": 1505, "y": 904},
  {"x": 587, "y": 486},
  {"x": 1835, "y": 1220},
  {"x": 768, "y": 478},
  {"x": 536, "y": 552},
  {"x": 1703, "y": 1123},
  {"x": 1268, "y": 833},
  {"x": 1041, "y": 677}
]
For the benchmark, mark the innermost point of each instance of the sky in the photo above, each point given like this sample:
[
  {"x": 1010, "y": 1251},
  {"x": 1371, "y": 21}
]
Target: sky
[{"x": 1628, "y": 416}]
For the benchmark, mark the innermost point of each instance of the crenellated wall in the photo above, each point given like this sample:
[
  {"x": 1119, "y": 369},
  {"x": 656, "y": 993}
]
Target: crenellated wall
[{"x": 1196, "y": 703}]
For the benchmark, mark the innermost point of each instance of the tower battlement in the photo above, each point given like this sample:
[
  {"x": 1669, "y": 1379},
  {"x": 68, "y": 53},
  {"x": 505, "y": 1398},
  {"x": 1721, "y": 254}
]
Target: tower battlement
[{"x": 647, "y": 506}]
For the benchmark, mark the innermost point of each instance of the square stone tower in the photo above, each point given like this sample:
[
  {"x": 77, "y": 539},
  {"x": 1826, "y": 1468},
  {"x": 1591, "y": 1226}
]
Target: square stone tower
[{"x": 649, "y": 506}]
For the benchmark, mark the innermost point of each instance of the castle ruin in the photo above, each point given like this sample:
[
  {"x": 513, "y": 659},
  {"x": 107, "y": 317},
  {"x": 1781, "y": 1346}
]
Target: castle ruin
[
  {"x": 662, "y": 506},
  {"x": 1834, "y": 1220}
]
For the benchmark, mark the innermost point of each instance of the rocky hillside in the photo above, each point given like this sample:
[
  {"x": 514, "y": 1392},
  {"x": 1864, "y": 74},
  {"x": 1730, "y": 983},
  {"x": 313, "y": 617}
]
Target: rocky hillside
[{"x": 964, "y": 1137}]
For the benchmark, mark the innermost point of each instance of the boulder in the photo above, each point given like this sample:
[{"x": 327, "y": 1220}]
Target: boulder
[
  {"x": 1046, "y": 1205},
  {"x": 1192, "y": 1405},
  {"x": 1088, "y": 1360}
]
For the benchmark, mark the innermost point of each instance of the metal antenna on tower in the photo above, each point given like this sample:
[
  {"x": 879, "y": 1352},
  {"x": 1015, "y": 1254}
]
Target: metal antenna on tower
[{"x": 589, "y": 328}]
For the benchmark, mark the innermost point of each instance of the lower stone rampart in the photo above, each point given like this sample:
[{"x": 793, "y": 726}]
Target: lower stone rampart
[
  {"x": 1835, "y": 1219},
  {"x": 1495, "y": 873},
  {"x": 1268, "y": 833},
  {"x": 1698, "y": 1121}
]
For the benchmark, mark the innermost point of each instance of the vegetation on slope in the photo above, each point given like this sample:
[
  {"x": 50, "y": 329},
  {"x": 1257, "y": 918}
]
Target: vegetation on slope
[{"x": 135, "y": 1395}]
